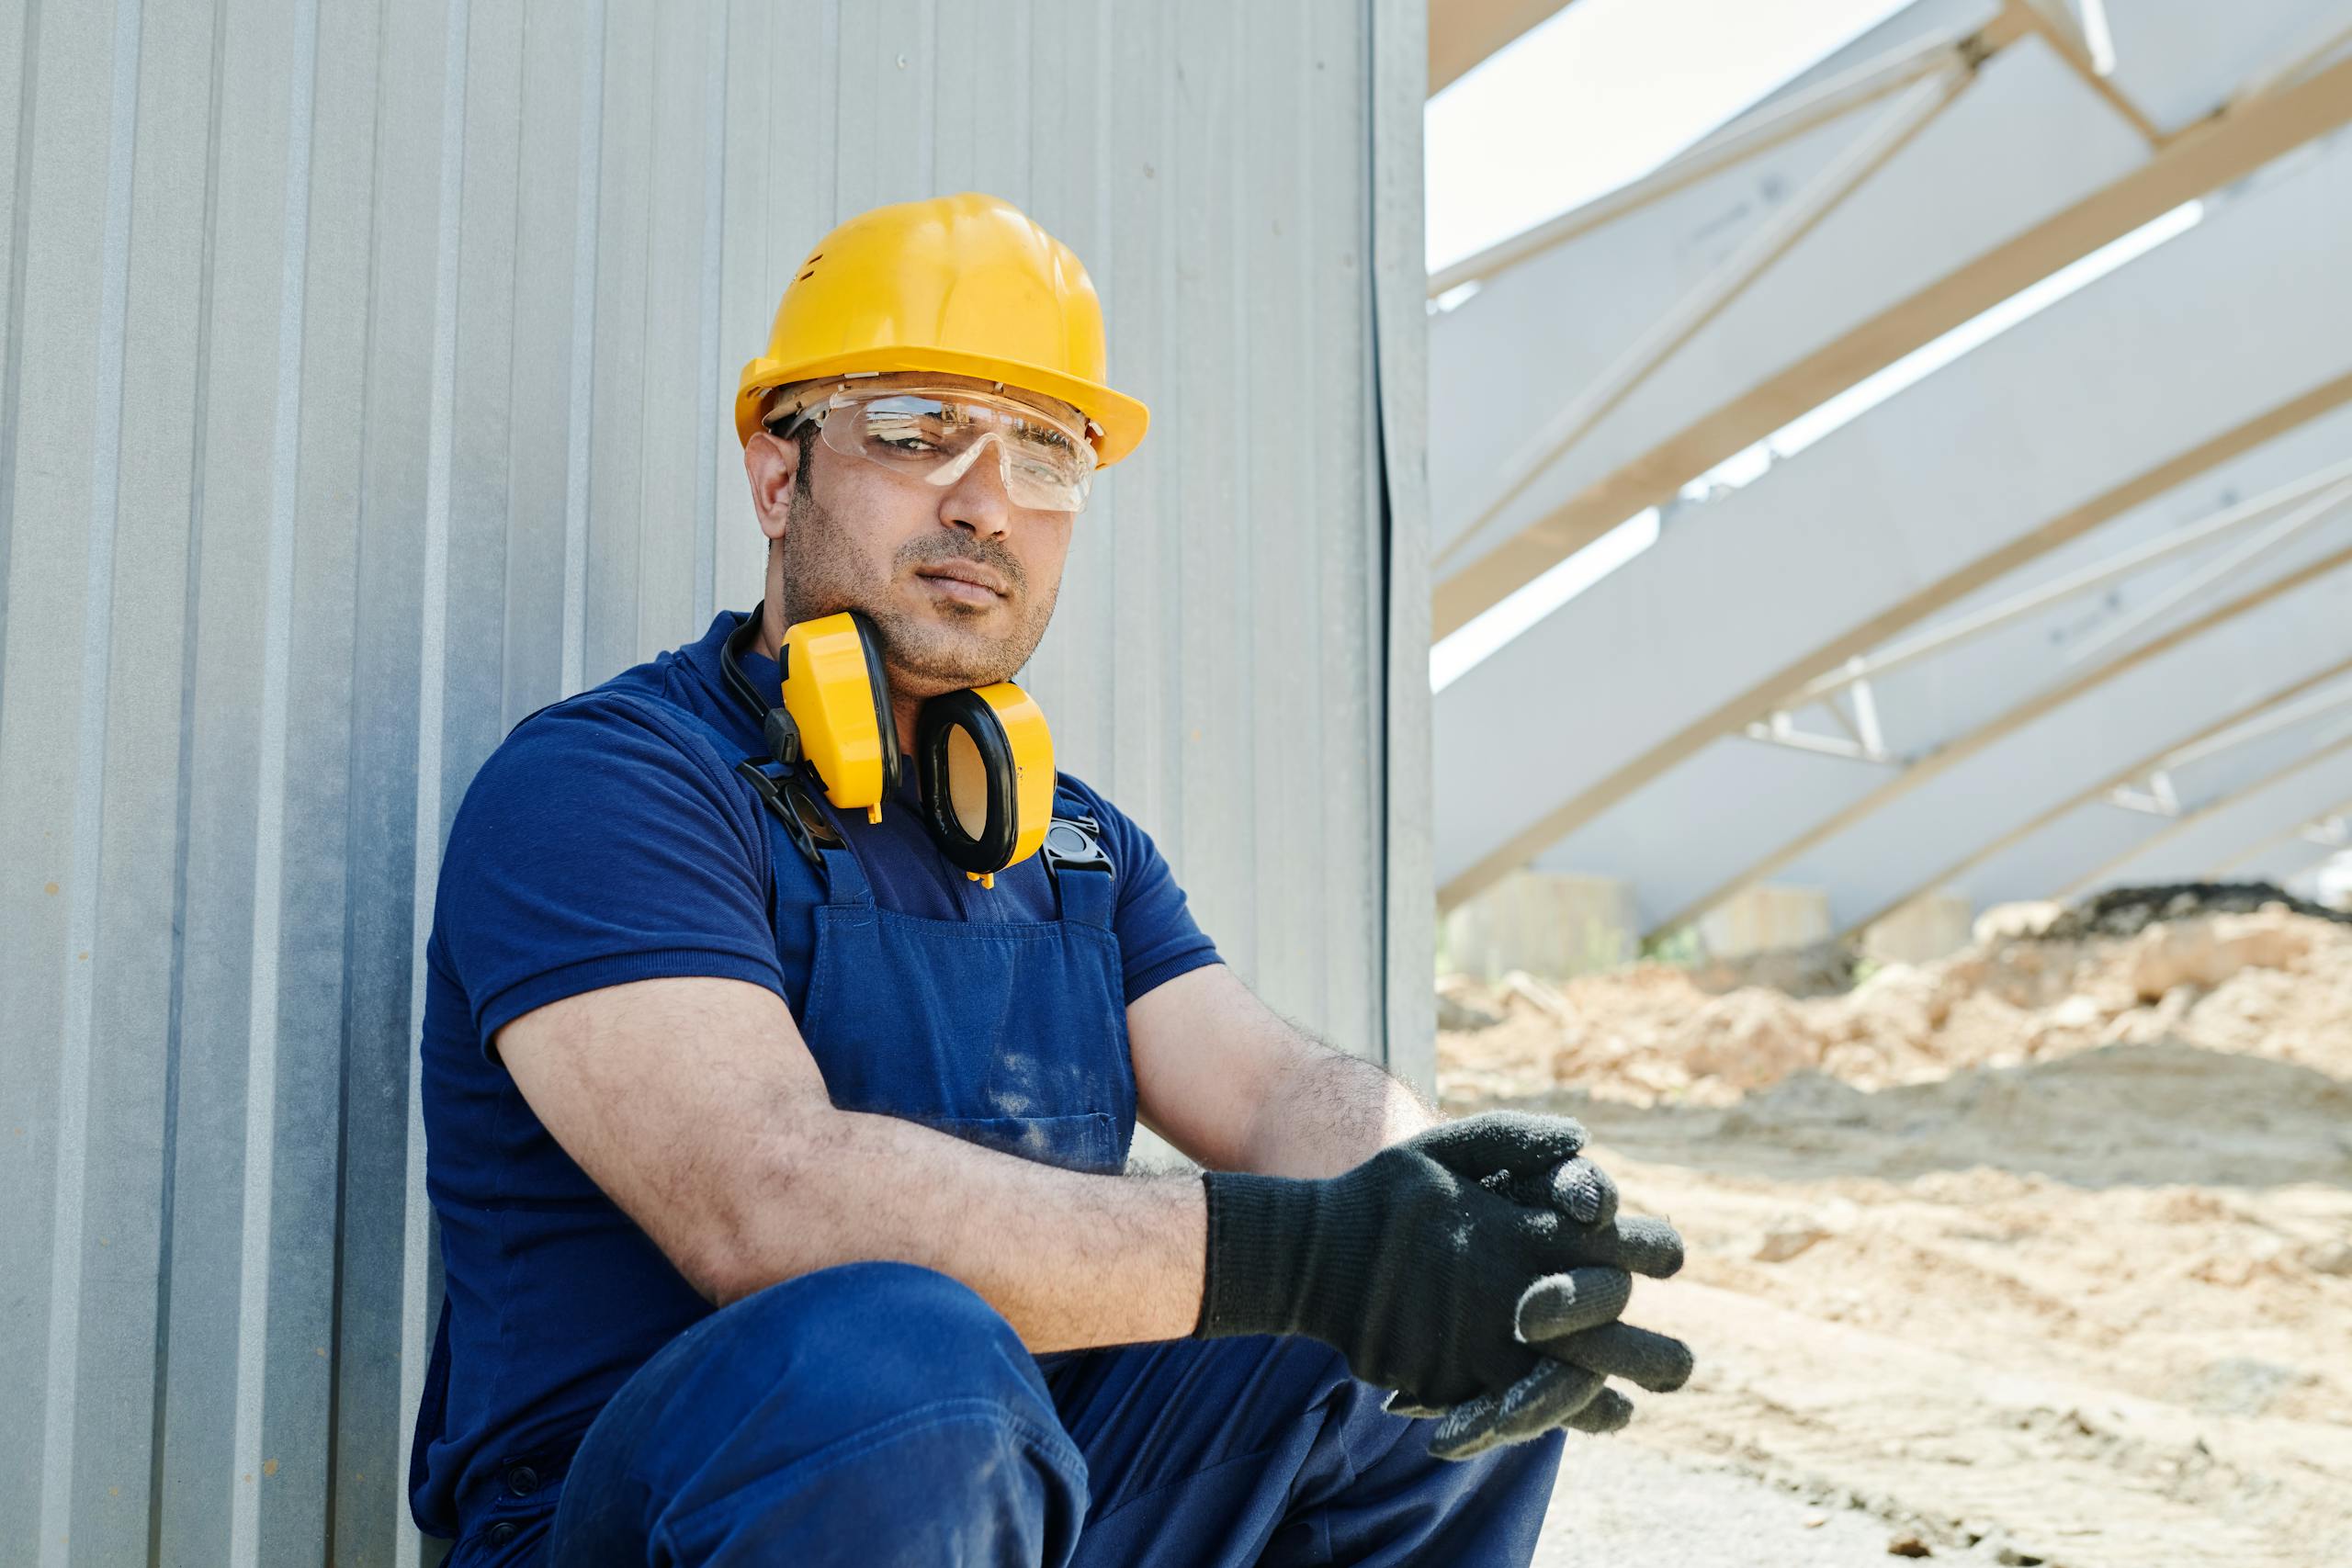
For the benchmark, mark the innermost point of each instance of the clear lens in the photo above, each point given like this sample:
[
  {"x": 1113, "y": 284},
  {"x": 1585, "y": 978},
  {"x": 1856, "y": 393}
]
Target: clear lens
[{"x": 939, "y": 434}]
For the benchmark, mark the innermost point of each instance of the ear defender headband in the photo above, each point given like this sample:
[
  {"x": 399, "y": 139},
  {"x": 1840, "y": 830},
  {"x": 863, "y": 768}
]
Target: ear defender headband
[{"x": 984, "y": 757}]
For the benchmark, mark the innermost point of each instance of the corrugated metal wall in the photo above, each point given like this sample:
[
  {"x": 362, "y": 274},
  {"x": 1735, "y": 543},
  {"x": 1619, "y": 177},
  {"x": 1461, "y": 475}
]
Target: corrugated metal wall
[{"x": 364, "y": 391}]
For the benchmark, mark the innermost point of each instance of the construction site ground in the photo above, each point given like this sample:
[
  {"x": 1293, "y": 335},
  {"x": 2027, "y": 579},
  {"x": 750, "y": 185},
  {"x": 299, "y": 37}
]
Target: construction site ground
[{"x": 2038, "y": 1254}]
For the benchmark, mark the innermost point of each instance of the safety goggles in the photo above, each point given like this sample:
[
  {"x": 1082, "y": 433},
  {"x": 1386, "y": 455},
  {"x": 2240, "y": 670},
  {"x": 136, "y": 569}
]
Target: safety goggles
[{"x": 936, "y": 434}]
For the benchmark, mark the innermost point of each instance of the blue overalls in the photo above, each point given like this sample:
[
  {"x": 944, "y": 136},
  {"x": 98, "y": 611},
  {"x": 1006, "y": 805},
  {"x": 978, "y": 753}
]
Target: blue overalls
[{"x": 880, "y": 1414}]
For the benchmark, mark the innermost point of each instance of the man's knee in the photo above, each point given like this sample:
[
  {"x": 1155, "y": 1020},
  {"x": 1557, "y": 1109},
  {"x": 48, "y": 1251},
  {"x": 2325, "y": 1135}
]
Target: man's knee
[
  {"x": 831, "y": 1390},
  {"x": 882, "y": 1338}
]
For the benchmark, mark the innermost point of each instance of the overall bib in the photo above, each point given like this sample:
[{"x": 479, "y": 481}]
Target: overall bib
[{"x": 884, "y": 1414}]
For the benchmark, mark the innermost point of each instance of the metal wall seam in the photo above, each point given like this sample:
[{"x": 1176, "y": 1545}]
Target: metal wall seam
[
  {"x": 26, "y": 82},
  {"x": 417, "y": 1315},
  {"x": 269, "y": 813},
  {"x": 580, "y": 419},
  {"x": 712, "y": 375},
  {"x": 66, "y": 1245},
  {"x": 1396, "y": 71}
]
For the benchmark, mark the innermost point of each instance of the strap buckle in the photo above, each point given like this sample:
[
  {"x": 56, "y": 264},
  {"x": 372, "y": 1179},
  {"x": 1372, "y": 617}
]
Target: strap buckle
[
  {"x": 1075, "y": 843},
  {"x": 805, "y": 822}
]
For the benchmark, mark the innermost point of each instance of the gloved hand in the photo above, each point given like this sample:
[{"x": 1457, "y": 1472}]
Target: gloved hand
[
  {"x": 1570, "y": 1319},
  {"x": 1413, "y": 1263},
  {"x": 1581, "y": 1344}
]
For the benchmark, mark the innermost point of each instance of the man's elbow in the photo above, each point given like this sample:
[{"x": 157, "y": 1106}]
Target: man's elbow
[{"x": 754, "y": 1227}]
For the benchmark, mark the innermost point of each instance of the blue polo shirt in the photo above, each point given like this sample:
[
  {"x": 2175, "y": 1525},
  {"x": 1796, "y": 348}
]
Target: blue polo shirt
[{"x": 602, "y": 843}]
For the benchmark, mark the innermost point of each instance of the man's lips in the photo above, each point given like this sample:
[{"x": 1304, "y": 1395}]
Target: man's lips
[{"x": 965, "y": 580}]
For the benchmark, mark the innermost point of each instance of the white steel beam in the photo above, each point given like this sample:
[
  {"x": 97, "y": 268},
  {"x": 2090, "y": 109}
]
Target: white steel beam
[
  {"x": 2184, "y": 60},
  {"x": 1934, "y": 54},
  {"x": 2059, "y": 28},
  {"x": 2106, "y": 401},
  {"x": 2328, "y": 488},
  {"x": 2017, "y": 179},
  {"x": 2099, "y": 844},
  {"x": 1716, "y": 823},
  {"x": 1711, "y": 820},
  {"x": 1717, "y": 291},
  {"x": 1939, "y": 832},
  {"x": 2232, "y": 829}
]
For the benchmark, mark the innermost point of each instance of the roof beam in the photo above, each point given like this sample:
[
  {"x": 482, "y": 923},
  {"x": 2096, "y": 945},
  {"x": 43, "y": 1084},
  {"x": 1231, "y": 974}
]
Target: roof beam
[
  {"x": 1745, "y": 138},
  {"x": 2114, "y": 401},
  {"x": 1965, "y": 748},
  {"x": 1891, "y": 860},
  {"x": 2199, "y": 837},
  {"x": 2060, "y": 30},
  {"x": 2213, "y": 152}
]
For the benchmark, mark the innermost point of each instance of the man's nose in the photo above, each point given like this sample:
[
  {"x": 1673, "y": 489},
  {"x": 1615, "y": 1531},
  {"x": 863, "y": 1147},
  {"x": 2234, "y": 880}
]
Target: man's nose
[{"x": 975, "y": 496}]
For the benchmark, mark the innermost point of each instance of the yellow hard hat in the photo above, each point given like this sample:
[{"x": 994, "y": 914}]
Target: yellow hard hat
[{"x": 964, "y": 285}]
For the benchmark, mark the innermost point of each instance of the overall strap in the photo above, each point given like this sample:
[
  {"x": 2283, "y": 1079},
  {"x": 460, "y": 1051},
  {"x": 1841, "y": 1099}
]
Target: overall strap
[
  {"x": 798, "y": 828},
  {"x": 1085, "y": 882}
]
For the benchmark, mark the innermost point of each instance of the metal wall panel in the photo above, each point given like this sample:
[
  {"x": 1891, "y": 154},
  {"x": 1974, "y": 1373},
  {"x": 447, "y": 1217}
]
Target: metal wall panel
[{"x": 366, "y": 387}]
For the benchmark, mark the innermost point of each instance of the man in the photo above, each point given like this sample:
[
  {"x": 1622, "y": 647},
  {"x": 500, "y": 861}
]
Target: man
[{"x": 693, "y": 1041}]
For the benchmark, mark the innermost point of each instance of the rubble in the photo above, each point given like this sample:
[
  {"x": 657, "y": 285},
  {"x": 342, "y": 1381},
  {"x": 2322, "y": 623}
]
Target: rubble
[{"x": 2274, "y": 981}]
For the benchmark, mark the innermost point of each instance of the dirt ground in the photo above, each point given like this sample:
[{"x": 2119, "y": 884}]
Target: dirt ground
[{"x": 2040, "y": 1254}]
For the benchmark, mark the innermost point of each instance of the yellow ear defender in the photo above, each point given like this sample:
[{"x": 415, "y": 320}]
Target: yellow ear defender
[
  {"x": 839, "y": 702},
  {"x": 984, "y": 761},
  {"x": 984, "y": 757}
]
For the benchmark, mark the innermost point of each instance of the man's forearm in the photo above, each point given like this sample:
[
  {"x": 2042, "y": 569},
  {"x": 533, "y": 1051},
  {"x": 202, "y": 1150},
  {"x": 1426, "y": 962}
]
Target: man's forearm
[
  {"x": 1071, "y": 1260},
  {"x": 1329, "y": 1112}
]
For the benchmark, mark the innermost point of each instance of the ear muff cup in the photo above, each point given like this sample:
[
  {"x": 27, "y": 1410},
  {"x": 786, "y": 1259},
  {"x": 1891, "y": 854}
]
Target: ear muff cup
[
  {"x": 983, "y": 761},
  {"x": 886, "y": 724},
  {"x": 839, "y": 699}
]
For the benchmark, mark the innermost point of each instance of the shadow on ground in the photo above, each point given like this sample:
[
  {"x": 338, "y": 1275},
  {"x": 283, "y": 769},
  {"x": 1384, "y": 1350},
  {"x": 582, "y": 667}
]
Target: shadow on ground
[{"x": 2165, "y": 1114}]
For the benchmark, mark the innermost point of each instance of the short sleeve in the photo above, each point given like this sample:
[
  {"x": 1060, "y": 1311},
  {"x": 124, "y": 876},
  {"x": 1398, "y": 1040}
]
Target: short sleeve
[
  {"x": 1157, "y": 937},
  {"x": 601, "y": 843}
]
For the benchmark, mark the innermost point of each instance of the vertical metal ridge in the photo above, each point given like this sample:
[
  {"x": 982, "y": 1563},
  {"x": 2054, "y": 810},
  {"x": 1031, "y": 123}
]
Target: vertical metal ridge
[
  {"x": 1170, "y": 513},
  {"x": 1242, "y": 536},
  {"x": 714, "y": 239},
  {"x": 829, "y": 31},
  {"x": 926, "y": 107},
  {"x": 582, "y": 401},
  {"x": 269, "y": 807},
  {"x": 28, "y": 95},
  {"x": 642, "y": 505},
  {"x": 1311, "y": 515},
  {"x": 89, "y": 804},
  {"x": 433, "y": 656},
  {"x": 184, "y": 796},
  {"x": 354, "y": 802},
  {"x": 1394, "y": 66},
  {"x": 1105, "y": 242}
]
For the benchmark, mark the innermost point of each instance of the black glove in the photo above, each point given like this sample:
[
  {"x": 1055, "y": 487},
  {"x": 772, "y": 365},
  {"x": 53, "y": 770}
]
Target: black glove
[
  {"x": 1412, "y": 1264},
  {"x": 1582, "y": 1344},
  {"x": 1570, "y": 1319}
]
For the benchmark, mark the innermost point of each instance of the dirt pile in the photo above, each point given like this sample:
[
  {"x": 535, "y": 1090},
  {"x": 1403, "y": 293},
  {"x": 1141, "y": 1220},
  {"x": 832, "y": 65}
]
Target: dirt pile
[
  {"x": 2272, "y": 982},
  {"x": 2041, "y": 1253}
]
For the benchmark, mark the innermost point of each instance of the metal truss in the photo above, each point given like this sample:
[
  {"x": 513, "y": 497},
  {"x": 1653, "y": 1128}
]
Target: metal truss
[{"x": 2300, "y": 102}]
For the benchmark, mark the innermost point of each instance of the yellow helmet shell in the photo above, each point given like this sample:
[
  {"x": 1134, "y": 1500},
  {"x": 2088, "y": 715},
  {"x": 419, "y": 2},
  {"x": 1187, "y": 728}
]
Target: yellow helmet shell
[{"x": 964, "y": 285}]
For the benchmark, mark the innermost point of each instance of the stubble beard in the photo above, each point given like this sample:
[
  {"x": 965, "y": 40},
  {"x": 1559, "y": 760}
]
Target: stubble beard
[{"x": 942, "y": 649}]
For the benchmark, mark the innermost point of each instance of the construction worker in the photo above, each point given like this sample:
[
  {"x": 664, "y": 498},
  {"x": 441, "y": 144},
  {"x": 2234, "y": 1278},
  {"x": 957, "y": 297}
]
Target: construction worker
[{"x": 789, "y": 1016}]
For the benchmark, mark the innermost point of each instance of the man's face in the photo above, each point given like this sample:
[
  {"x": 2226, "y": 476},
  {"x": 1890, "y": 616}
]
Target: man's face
[{"x": 959, "y": 581}]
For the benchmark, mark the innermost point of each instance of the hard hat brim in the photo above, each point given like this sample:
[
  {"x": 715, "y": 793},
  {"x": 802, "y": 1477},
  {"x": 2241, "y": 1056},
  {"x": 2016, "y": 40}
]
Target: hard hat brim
[{"x": 1122, "y": 419}]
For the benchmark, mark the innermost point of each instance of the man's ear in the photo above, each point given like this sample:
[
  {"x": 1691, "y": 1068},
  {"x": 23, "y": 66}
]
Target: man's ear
[{"x": 771, "y": 463}]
